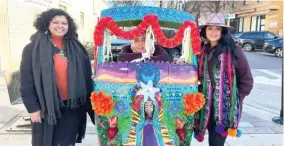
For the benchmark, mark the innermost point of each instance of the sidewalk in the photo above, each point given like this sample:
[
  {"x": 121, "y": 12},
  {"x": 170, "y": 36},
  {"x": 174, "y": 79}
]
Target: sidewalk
[
  {"x": 7, "y": 111},
  {"x": 256, "y": 125}
]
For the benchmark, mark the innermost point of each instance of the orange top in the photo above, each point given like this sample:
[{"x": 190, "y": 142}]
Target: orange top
[{"x": 61, "y": 69}]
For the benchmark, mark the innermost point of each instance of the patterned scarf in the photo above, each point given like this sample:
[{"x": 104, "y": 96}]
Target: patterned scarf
[{"x": 223, "y": 97}]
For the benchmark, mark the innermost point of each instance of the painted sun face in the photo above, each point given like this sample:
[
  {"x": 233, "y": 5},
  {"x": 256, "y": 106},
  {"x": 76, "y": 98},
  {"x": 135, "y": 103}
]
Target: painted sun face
[
  {"x": 58, "y": 26},
  {"x": 213, "y": 33}
]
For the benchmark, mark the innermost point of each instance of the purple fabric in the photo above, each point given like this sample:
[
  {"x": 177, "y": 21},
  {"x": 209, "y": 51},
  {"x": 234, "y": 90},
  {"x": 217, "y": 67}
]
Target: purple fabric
[
  {"x": 127, "y": 54},
  {"x": 149, "y": 138}
]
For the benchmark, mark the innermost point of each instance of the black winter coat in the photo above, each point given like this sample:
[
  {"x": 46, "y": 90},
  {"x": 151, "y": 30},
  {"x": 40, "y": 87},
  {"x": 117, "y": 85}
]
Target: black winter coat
[{"x": 31, "y": 101}]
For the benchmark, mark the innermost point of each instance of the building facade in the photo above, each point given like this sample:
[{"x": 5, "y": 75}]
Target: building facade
[
  {"x": 16, "y": 23},
  {"x": 256, "y": 15}
]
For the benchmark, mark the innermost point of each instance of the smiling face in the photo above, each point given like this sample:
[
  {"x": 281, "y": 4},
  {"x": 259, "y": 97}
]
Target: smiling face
[
  {"x": 138, "y": 45},
  {"x": 58, "y": 26},
  {"x": 213, "y": 33}
]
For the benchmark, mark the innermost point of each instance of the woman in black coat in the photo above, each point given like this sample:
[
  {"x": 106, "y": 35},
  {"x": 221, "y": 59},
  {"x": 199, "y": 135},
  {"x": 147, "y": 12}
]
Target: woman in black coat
[{"x": 56, "y": 81}]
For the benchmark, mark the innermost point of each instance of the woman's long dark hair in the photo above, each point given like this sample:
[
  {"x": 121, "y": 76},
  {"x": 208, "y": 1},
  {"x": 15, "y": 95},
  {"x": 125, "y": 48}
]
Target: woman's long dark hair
[
  {"x": 225, "y": 44},
  {"x": 42, "y": 21}
]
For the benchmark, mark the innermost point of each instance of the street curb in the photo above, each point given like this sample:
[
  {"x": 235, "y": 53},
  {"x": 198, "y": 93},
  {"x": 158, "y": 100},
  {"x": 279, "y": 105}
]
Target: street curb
[
  {"x": 261, "y": 113},
  {"x": 272, "y": 111}
]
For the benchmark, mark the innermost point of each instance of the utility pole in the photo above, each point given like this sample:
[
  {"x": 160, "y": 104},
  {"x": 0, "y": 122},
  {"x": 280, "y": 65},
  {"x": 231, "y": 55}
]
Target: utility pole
[{"x": 279, "y": 120}]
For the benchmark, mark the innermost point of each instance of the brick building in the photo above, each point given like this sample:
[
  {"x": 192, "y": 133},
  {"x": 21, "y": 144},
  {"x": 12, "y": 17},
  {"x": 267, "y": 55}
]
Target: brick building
[{"x": 256, "y": 15}]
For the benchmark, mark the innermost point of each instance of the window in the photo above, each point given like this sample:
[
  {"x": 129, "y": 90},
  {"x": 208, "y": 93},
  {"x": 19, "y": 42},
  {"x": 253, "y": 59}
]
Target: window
[
  {"x": 257, "y": 23},
  {"x": 255, "y": 35},
  {"x": 245, "y": 2},
  {"x": 250, "y": 35},
  {"x": 268, "y": 35},
  {"x": 241, "y": 25},
  {"x": 246, "y": 35},
  {"x": 82, "y": 19},
  {"x": 253, "y": 23},
  {"x": 62, "y": 7},
  {"x": 235, "y": 23},
  {"x": 262, "y": 22}
]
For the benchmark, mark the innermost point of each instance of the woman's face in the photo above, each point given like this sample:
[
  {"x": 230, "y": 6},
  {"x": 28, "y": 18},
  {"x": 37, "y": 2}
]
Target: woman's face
[
  {"x": 149, "y": 108},
  {"x": 213, "y": 33},
  {"x": 58, "y": 26},
  {"x": 138, "y": 44}
]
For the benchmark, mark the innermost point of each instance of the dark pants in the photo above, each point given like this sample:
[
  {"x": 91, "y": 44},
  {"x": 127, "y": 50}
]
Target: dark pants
[
  {"x": 215, "y": 139},
  {"x": 67, "y": 129},
  {"x": 63, "y": 134}
]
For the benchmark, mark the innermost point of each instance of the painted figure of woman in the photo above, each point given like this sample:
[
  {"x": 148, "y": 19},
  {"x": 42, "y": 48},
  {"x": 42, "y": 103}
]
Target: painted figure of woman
[
  {"x": 147, "y": 124},
  {"x": 149, "y": 127}
]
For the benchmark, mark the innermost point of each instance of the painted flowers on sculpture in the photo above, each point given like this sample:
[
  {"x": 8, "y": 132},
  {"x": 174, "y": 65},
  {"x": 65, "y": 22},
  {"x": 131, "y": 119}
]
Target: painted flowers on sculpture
[
  {"x": 174, "y": 108},
  {"x": 120, "y": 107},
  {"x": 193, "y": 103},
  {"x": 148, "y": 91},
  {"x": 102, "y": 104}
]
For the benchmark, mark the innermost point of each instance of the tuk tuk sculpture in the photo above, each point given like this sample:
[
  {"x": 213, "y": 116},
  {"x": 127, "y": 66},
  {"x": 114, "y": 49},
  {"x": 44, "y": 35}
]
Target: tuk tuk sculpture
[{"x": 146, "y": 103}]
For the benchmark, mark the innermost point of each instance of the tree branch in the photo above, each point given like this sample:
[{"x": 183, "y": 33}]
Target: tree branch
[{"x": 118, "y": 3}]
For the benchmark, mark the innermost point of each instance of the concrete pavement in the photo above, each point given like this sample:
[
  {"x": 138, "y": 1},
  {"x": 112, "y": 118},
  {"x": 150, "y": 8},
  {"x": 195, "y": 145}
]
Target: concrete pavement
[
  {"x": 257, "y": 132},
  {"x": 255, "y": 123},
  {"x": 266, "y": 93},
  {"x": 267, "y": 73},
  {"x": 7, "y": 111}
]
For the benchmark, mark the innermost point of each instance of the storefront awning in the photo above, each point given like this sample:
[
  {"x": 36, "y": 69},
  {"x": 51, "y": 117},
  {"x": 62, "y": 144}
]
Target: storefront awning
[
  {"x": 257, "y": 11},
  {"x": 245, "y": 11}
]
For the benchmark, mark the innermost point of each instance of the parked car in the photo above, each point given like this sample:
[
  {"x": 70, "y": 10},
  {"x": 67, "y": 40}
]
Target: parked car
[
  {"x": 254, "y": 40},
  {"x": 236, "y": 36},
  {"x": 274, "y": 47}
]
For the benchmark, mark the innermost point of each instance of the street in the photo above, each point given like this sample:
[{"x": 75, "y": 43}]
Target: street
[{"x": 266, "y": 70}]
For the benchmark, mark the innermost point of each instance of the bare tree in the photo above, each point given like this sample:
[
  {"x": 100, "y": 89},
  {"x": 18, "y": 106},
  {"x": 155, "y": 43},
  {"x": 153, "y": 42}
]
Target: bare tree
[
  {"x": 203, "y": 8},
  {"x": 221, "y": 6},
  {"x": 193, "y": 7},
  {"x": 118, "y": 3},
  {"x": 174, "y": 5},
  {"x": 213, "y": 6}
]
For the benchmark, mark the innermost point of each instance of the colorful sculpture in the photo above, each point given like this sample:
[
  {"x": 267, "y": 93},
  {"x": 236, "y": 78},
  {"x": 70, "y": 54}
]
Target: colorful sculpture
[{"x": 146, "y": 103}]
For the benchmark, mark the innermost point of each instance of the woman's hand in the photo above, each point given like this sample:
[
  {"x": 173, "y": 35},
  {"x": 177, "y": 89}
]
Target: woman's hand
[{"x": 35, "y": 117}]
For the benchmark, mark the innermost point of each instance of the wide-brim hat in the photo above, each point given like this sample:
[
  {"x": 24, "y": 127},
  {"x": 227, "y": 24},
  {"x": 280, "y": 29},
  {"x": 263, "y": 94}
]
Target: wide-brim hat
[{"x": 216, "y": 20}]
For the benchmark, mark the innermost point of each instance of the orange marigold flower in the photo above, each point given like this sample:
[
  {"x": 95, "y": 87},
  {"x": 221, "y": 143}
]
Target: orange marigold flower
[
  {"x": 102, "y": 104},
  {"x": 193, "y": 103}
]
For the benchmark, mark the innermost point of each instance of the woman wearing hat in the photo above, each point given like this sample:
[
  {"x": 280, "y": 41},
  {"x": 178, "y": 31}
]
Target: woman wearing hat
[{"x": 225, "y": 78}]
